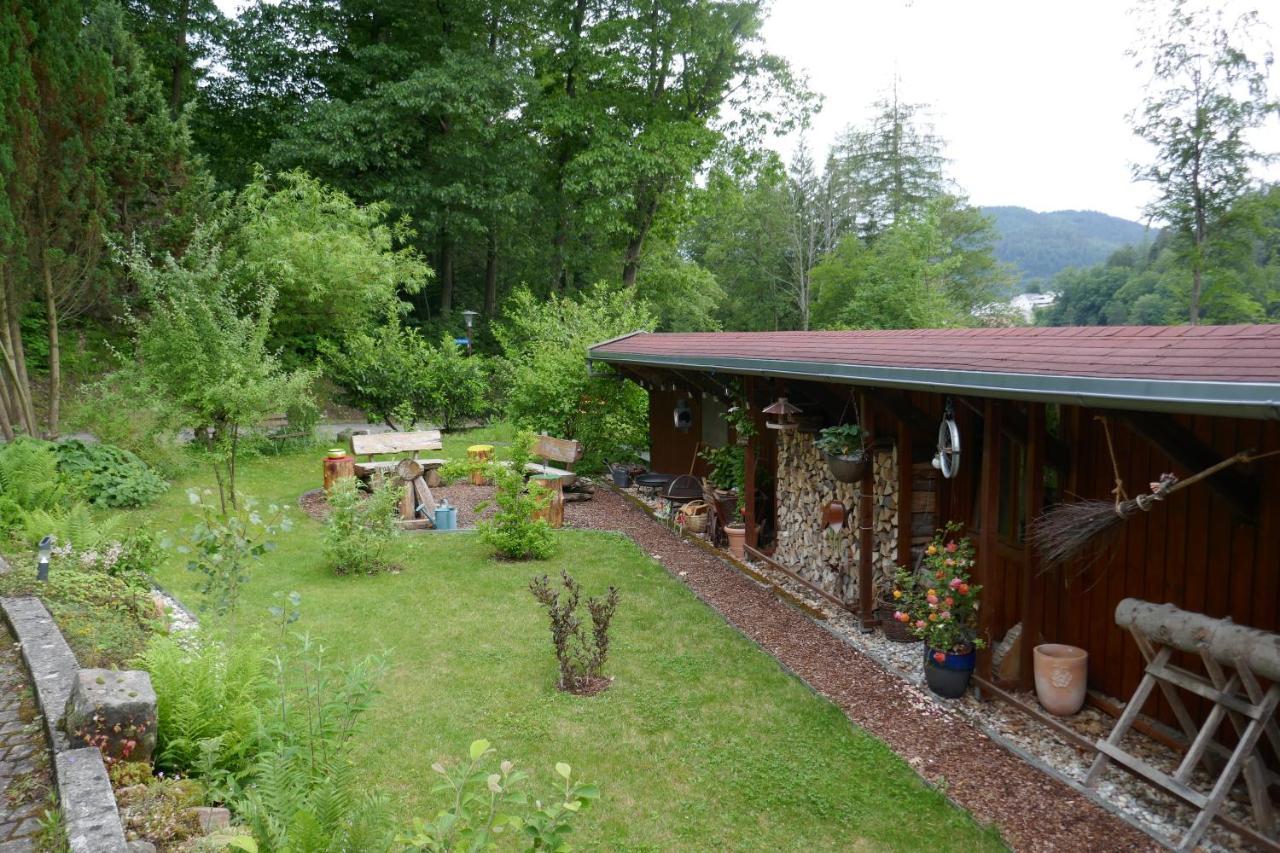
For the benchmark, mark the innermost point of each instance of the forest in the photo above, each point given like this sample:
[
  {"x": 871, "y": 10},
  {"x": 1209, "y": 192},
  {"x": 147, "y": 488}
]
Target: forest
[{"x": 333, "y": 188}]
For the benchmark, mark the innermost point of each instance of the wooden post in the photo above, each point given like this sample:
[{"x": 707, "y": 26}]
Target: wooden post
[
  {"x": 866, "y": 494},
  {"x": 749, "y": 467},
  {"x": 335, "y": 468},
  {"x": 989, "y": 502},
  {"x": 906, "y": 480},
  {"x": 1032, "y": 604}
]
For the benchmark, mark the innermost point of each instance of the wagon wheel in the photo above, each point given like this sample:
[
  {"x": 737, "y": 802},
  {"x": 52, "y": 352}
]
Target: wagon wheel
[{"x": 947, "y": 459}]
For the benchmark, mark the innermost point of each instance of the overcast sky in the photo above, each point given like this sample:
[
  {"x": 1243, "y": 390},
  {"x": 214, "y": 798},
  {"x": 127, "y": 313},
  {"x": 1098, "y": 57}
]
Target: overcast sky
[{"x": 1031, "y": 95}]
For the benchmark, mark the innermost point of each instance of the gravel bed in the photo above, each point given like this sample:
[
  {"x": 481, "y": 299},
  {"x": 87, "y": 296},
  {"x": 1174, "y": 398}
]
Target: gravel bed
[{"x": 1032, "y": 810}]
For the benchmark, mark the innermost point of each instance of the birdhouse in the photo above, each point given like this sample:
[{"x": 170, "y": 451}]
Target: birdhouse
[{"x": 783, "y": 415}]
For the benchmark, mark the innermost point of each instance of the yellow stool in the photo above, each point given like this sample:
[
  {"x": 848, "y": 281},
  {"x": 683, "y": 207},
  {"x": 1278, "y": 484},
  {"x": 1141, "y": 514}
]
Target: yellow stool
[{"x": 478, "y": 455}]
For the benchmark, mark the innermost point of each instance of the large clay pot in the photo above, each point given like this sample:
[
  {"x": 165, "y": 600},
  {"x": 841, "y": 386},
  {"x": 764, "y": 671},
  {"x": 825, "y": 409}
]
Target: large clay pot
[
  {"x": 737, "y": 533},
  {"x": 847, "y": 469},
  {"x": 1061, "y": 677},
  {"x": 948, "y": 677}
]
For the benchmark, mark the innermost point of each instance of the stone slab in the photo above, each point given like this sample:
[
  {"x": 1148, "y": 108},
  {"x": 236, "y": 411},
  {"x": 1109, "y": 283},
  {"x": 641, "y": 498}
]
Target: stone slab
[
  {"x": 50, "y": 661},
  {"x": 88, "y": 803},
  {"x": 114, "y": 710}
]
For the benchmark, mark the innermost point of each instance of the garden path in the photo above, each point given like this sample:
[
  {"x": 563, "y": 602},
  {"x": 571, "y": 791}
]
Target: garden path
[
  {"x": 1032, "y": 810},
  {"x": 25, "y": 780}
]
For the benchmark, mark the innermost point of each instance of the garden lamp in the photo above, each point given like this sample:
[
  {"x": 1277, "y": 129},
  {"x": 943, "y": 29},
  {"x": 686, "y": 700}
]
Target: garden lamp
[
  {"x": 469, "y": 318},
  {"x": 42, "y": 566}
]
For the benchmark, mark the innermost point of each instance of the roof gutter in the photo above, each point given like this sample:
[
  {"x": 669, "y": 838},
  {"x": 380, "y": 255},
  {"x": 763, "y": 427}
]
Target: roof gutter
[{"x": 1233, "y": 399}]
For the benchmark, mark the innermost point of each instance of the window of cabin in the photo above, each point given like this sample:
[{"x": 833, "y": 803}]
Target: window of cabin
[{"x": 715, "y": 429}]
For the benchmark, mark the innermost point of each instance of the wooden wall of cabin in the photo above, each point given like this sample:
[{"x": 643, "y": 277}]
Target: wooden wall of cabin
[
  {"x": 1190, "y": 550},
  {"x": 670, "y": 450}
]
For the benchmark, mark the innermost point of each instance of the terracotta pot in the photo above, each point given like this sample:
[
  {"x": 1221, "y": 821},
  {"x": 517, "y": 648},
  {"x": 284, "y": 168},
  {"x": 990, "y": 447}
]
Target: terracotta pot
[
  {"x": 737, "y": 533},
  {"x": 846, "y": 469},
  {"x": 948, "y": 677},
  {"x": 1061, "y": 677}
]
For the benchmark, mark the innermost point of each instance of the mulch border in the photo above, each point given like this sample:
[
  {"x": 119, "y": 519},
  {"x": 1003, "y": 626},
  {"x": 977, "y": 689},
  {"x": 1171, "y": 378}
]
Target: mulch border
[{"x": 1033, "y": 807}]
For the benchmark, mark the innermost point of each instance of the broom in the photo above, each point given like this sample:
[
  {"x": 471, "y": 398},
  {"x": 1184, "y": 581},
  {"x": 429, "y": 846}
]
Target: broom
[{"x": 1065, "y": 530}]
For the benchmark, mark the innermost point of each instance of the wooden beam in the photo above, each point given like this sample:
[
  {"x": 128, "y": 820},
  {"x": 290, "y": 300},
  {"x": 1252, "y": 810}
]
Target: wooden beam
[
  {"x": 1032, "y": 604},
  {"x": 866, "y": 495},
  {"x": 749, "y": 472},
  {"x": 989, "y": 503},
  {"x": 1016, "y": 425},
  {"x": 1239, "y": 490},
  {"x": 906, "y": 481}
]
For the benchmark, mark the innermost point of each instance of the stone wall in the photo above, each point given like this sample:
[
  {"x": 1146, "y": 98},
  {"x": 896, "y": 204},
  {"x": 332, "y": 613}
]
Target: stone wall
[{"x": 827, "y": 559}]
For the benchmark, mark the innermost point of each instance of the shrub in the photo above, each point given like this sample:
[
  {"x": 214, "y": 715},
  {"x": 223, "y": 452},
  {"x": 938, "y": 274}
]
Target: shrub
[
  {"x": 581, "y": 656},
  {"x": 107, "y": 476},
  {"x": 456, "y": 469},
  {"x": 512, "y": 531},
  {"x": 133, "y": 558},
  {"x": 359, "y": 529},
  {"x": 549, "y": 387},
  {"x": 223, "y": 546},
  {"x": 208, "y": 697},
  {"x": 490, "y": 802}
]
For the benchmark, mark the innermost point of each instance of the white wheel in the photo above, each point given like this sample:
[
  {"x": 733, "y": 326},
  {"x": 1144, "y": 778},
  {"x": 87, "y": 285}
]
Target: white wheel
[{"x": 948, "y": 458}]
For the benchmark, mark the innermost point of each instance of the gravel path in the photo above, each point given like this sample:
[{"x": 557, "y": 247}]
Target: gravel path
[
  {"x": 25, "y": 781},
  {"x": 1032, "y": 810}
]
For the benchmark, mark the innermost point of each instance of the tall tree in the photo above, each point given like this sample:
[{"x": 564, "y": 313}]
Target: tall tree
[
  {"x": 178, "y": 37},
  {"x": 1206, "y": 93}
]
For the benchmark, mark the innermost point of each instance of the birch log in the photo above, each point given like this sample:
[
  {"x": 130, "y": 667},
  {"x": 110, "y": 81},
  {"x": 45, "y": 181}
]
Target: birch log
[{"x": 1226, "y": 641}]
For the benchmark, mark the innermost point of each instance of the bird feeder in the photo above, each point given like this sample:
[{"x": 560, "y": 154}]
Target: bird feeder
[{"x": 784, "y": 415}]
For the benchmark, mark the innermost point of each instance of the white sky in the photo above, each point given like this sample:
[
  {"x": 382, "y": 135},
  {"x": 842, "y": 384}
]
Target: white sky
[{"x": 1031, "y": 95}]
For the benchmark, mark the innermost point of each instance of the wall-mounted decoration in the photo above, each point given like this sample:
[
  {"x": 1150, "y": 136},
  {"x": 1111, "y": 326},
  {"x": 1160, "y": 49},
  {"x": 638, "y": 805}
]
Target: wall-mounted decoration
[
  {"x": 783, "y": 415},
  {"x": 947, "y": 459},
  {"x": 683, "y": 415}
]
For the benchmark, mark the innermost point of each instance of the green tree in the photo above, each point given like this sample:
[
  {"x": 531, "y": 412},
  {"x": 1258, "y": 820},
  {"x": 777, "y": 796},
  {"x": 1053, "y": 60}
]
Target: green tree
[
  {"x": 179, "y": 37},
  {"x": 549, "y": 386},
  {"x": 1206, "y": 93}
]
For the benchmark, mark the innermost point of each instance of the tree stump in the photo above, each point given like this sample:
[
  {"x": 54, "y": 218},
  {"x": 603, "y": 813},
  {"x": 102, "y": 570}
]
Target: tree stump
[
  {"x": 478, "y": 454},
  {"x": 554, "y": 510},
  {"x": 337, "y": 467}
]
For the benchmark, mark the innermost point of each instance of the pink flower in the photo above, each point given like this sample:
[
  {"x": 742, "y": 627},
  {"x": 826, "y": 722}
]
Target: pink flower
[
  {"x": 932, "y": 599},
  {"x": 955, "y": 583},
  {"x": 897, "y": 616},
  {"x": 920, "y": 623},
  {"x": 951, "y": 547},
  {"x": 946, "y": 614}
]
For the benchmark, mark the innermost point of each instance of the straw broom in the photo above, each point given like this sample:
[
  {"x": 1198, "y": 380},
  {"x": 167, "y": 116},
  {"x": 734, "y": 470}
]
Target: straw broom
[{"x": 1067, "y": 529}]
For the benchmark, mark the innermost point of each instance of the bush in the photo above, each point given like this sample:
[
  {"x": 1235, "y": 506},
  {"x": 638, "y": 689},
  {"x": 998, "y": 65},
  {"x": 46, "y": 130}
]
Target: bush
[
  {"x": 223, "y": 546},
  {"x": 581, "y": 657},
  {"x": 512, "y": 531},
  {"x": 208, "y": 696},
  {"x": 107, "y": 476},
  {"x": 489, "y": 801},
  {"x": 359, "y": 529},
  {"x": 549, "y": 387}
]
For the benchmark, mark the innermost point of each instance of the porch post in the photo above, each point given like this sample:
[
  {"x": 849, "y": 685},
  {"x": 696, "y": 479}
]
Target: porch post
[
  {"x": 906, "y": 481},
  {"x": 749, "y": 464},
  {"x": 1032, "y": 603},
  {"x": 989, "y": 502},
  {"x": 866, "y": 493}
]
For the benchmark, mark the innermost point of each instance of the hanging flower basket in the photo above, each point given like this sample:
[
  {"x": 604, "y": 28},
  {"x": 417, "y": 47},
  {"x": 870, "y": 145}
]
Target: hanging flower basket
[{"x": 847, "y": 468}]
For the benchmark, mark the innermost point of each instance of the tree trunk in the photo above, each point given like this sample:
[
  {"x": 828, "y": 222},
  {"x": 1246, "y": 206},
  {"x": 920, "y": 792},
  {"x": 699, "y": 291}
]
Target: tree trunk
[
  {"x": 491, "y": 273},
  {"x": 55, "y": 349},
  {"x": 646, "y": 210},
  {"x": 180, "y": 59},
  {"x": 446, "y": 273}
]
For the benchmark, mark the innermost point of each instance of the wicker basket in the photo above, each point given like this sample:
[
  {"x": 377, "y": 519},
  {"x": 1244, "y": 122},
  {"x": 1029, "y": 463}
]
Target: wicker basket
[
  {"x": 894, "y": 630},
  {"x": 693, "y": 516}
]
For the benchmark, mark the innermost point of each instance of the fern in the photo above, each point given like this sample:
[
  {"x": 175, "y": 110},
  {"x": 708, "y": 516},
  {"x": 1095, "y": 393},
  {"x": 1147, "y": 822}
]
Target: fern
[
  {"x": 74, "y": 525},
  {"x": 29, "y": 474}
]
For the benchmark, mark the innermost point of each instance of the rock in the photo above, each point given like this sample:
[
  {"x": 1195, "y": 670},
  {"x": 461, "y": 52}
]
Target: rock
[
  {"x": 114, "y": 711},
  {"x": 140, "y": 847},
  {"x": 211, "y": 818}
]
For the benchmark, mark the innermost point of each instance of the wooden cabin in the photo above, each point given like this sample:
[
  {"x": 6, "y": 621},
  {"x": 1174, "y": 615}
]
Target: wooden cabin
[{"x": 1034, "y": 407}]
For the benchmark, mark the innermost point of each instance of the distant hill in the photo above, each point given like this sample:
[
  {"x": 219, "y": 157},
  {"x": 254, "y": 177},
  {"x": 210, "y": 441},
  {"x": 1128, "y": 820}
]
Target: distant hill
[{"x": 1041, "y": 244}]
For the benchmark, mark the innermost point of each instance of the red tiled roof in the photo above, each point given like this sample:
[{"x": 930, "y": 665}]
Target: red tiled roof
[{"x": 1248, "y": 354}]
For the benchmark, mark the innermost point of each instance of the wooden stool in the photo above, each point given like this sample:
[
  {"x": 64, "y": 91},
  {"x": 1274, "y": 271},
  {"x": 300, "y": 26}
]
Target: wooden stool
[
  {"x": 554, "y": 510},
  {"x": 337, "y": 467},
  {"x": 478, "y": 454}
]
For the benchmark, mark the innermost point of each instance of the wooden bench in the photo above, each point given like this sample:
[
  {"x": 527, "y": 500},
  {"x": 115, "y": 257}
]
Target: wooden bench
[
  {"x": 396, "y": 442},
  {"x": 563, "y": 450}
]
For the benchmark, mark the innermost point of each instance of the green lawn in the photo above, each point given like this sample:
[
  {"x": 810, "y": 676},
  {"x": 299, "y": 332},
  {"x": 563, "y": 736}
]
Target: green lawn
[{"x": 703, "y": 741}]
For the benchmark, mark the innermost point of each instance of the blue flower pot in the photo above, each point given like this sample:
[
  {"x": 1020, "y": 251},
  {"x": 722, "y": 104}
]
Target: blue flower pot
[{"x": 950, "y": 678}]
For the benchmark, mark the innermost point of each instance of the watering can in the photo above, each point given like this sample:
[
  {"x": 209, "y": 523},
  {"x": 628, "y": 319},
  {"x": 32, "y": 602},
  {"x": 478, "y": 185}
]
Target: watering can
[{"x": 446, "y": 516}]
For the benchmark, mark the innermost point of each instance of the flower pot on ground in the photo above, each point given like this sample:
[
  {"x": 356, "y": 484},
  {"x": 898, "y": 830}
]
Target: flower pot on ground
[
  {"x": 948, "y": 673},
  {"x": 737, "y": 533},
  {"x": 1061, "y": 674},
  {"x": 842, "y": 448},
  {"x": 939, "y": 604}
]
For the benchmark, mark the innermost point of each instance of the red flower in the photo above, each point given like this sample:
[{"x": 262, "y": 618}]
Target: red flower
[{"x": 939, "y": 657}]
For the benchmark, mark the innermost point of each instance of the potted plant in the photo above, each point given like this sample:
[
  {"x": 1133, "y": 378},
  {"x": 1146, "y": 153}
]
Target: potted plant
[
  {"x": 736, "y": 531},
  {"x": 728, "y": 469},
  {"x": 842, "y": 447},
  {"x": 940, "y": 606}
]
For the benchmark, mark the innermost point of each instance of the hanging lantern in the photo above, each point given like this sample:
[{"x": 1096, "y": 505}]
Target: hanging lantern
[
  {"x": 784, "y": 415},
  {"x": 683, "y": 415},
  {"x": 947, "y": 459}
]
